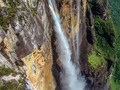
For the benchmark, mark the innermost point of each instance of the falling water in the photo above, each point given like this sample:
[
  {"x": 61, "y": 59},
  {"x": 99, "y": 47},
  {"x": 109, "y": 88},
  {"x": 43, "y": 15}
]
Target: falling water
[
  {"x": 71, "y": 78},
  {"x": 76, "y": 40}
]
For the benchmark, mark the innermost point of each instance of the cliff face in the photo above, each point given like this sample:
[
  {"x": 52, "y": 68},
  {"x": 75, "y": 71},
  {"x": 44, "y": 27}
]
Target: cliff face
[
  {"x": 27, "y": 37},
  {"x": 28, "y": 42}
]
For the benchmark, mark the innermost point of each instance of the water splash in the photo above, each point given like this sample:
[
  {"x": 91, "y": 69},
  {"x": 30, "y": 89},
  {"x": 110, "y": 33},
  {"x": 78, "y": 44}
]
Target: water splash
[{"x": 71, "y": 78}]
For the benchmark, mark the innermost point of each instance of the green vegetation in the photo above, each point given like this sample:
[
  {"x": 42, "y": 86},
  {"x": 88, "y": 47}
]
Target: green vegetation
[
  {"x": 117, "y": 72},
  {"x": 12, "y": 85},
  {"x": 105, "y": 37},
  {"x": 95, "y": 60},
  {"x": 5, "y": 20},
  {"x": 11, "y": 9},
  {"x": 5, "y": 71},
  {"x": 11, "y": 3},
  {"x": 33, "y": 10},
  {"x": 115, "y": 12},
  {"x": 114, "y": 85},
  {"x": 8, "y": 13}
]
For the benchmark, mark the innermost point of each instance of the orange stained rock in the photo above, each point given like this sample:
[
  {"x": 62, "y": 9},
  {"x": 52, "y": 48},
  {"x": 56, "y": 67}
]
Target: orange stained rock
[
  {"x": 7, "y": 44},
  {"x": 42, "y": 78},
  {"x": 66, "y": 13}
]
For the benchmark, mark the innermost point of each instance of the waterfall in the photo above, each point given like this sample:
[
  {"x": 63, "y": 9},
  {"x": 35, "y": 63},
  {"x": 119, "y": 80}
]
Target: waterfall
[
  {"x": 71, "y": 78},
  {"x": 76, "y": 37}
]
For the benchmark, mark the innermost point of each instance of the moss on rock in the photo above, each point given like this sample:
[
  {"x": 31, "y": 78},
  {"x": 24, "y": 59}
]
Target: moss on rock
[
  {"x": 95, "y": 60},
  {"x": 12, "y": 85},
  {"x": 5, "y": 71},
  {"x": 8, "y": 13}
]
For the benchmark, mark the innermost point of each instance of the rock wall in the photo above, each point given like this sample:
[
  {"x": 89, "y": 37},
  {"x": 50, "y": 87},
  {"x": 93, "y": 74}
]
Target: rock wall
[{"x": 27, "y": 38}]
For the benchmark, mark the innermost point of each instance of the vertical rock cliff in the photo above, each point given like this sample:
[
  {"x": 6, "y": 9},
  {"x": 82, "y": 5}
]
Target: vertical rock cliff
[
  {"x": 28, "y": 42},
  {"x": 26, "y": 31}
]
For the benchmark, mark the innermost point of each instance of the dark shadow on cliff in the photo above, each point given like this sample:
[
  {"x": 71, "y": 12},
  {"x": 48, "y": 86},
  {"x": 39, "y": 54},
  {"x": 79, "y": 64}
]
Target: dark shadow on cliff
[{"x": 55, "y": 67}]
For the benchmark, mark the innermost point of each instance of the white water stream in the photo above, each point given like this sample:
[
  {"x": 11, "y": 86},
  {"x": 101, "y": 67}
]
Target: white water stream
[{"x": 71, "y": 78}]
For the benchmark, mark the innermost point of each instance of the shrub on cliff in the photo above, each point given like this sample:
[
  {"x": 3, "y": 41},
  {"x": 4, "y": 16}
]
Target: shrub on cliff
[
  {"x": 12, "y": 85},
  {"x": 5, "y": 71}
]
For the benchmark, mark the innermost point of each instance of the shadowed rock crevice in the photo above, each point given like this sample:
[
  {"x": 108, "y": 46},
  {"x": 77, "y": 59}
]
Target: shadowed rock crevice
[
  {"x": 90, "y": 25},
  {"x": 55, "y": 67}
]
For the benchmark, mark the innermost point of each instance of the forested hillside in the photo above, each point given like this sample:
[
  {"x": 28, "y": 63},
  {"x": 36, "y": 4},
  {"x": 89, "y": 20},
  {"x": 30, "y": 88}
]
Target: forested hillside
[{"x": 115, "y": 13}]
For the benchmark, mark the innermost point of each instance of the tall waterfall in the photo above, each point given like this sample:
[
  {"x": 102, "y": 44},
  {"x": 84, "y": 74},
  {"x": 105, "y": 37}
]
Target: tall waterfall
[{"x": 71, "y": 78}]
